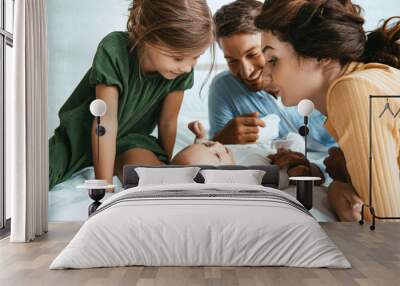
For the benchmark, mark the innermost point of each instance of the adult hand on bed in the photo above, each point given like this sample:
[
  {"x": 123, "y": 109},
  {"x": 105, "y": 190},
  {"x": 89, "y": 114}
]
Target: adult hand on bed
[
  {"x": 296, "y": 163},
  {"x": 336, "y": 165},
  {"x": 242, "y": 129}
]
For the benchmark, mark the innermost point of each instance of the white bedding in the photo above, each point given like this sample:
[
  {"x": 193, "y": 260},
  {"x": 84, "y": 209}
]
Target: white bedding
[{"x": 188, "y": 230}]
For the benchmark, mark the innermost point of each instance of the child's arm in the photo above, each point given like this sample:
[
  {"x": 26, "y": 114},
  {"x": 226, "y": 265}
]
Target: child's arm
[
  {"x": 104, "y": 167},
  {"x": 168, "y": 121}
]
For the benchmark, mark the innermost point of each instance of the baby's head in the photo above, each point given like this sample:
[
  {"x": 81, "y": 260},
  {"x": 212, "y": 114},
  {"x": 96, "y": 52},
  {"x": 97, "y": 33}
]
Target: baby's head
[{"x": 207, "y": 153}]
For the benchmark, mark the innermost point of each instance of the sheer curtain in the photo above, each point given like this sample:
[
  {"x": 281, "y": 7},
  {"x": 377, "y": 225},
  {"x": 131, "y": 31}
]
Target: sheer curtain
[{"x": 26, "y": 119}]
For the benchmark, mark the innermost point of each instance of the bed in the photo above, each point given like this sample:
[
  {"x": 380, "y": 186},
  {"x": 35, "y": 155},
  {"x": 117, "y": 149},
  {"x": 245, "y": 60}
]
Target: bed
[
  {"x": 200, "y": 224},
  {"x": 68, "y": 203},
  {"x": 233, "y": 237}
]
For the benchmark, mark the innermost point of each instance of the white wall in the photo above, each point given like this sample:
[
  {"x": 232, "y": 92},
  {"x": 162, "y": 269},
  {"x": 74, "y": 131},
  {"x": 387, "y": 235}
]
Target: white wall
[{"x": 376, "y": 10}]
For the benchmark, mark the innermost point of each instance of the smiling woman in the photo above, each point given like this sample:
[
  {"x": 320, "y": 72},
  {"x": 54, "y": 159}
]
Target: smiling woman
[{"x": 322, "y": 48}]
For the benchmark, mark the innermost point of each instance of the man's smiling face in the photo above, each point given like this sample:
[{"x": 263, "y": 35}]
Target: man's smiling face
[{"x": 245, "y": 59}]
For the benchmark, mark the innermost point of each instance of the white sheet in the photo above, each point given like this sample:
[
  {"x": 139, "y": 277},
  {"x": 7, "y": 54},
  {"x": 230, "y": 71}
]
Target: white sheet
[{"x": 206, "y": 231}]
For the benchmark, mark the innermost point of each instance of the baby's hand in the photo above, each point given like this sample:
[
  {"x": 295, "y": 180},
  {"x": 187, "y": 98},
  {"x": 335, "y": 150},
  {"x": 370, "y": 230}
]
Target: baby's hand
[{"x": 198, "y": 129}]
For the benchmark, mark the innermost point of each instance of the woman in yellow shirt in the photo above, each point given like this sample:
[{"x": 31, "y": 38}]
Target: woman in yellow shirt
[{"x": 318, "y": 50}]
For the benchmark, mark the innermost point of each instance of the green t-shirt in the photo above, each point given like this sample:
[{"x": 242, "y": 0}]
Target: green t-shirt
[{"x": 139, "y": 105}]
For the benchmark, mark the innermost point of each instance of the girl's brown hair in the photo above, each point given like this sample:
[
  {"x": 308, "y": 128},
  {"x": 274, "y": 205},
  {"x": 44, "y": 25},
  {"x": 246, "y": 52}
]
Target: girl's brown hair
[
  {"x": 331, "y": 29},
  {"x": 183, "y": 25}
]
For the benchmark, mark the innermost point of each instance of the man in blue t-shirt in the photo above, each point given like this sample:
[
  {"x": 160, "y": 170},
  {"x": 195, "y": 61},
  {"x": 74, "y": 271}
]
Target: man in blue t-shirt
[{"x": 237, "y": 99}]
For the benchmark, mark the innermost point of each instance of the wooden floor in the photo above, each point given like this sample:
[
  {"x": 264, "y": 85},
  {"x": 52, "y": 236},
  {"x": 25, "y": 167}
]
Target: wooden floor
[{"x": 374, "y": 255}]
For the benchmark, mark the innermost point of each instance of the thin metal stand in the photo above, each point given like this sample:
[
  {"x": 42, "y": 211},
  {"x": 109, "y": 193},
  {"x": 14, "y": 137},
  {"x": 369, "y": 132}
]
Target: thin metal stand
[{"x": 369, "y": 205}]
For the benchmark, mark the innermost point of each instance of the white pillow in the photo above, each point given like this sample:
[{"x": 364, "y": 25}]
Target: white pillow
[
  {"x": 164, "y": 176},
  {"x": 248, "y": 177}
]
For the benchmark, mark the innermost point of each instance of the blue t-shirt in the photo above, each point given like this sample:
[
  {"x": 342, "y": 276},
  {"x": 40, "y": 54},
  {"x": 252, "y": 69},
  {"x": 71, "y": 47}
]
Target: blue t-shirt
[{"x": 229, "y": 97}]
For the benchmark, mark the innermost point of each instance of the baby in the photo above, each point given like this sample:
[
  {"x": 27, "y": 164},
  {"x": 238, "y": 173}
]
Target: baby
[{"x": 205, "y": 152}]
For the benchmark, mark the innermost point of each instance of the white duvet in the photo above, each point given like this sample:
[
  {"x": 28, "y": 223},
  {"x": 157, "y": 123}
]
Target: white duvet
[{"x": 201, "y": 224}]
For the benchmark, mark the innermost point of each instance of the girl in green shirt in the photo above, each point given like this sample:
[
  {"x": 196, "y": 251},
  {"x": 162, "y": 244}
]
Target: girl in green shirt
[{"x": 141, "y": 74}]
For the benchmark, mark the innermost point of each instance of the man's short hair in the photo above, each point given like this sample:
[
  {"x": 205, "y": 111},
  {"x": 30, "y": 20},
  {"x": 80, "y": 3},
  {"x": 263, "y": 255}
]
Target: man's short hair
[{"x": 237, "y": 18}]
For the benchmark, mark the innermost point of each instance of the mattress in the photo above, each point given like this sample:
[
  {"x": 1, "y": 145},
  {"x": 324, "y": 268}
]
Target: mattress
[
  {"x": 198, "y": 225},
  {"x": 67, "y": 203}
]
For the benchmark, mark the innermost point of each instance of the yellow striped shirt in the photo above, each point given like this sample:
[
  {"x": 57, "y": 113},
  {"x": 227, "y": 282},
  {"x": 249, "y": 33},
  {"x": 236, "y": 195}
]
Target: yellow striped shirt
[{"x": 348, "y": 122}]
